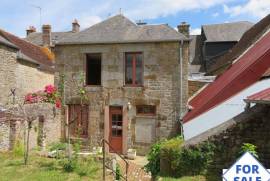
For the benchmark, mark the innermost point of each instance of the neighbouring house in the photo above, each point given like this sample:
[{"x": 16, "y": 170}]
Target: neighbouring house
[
  {"x": 247, "y": 74},
  {"x": 214, "y": 41},
  {"x": 135, "y": 76},
  {"x": 206, "y": 49},
  {"x": 24, "y": 67}
]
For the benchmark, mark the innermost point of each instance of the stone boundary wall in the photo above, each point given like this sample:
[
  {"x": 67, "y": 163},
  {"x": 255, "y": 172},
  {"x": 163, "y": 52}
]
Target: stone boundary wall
[
  {"x": 46, "y": 128},
  {"x": 252, "y": 126}
]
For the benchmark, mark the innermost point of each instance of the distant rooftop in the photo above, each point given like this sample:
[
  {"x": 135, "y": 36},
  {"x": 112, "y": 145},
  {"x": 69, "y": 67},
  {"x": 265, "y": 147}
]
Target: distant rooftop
[{"x": 226, "y": 31}]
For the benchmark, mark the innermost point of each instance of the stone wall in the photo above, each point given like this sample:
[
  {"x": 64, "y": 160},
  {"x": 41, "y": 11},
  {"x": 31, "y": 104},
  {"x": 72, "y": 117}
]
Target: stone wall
[
  {"x": 161, "y": 85},
  {"x": 19, "y": 74},
  {"x": 46, "y": 128},
  {"x": 7, "y": 72},
  {"x": 252, "y": 126},
  {"x": 195, "y": 86},
  {"x": 29, "y": 78}
]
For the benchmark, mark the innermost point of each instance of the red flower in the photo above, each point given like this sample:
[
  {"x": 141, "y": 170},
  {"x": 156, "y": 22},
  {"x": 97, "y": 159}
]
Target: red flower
[
  {"x": 50, "y": 89},
  {"x": 58, "y": 103},
  {"x": 28, "y": 98}
]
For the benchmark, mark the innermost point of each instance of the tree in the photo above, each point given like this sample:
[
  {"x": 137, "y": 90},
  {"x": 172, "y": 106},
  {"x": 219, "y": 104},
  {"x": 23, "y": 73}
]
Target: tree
[{"x": 21, "y": 108}]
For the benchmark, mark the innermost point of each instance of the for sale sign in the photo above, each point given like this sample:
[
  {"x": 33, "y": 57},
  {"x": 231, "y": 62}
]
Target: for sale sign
[{"x": 247, "y": 168}]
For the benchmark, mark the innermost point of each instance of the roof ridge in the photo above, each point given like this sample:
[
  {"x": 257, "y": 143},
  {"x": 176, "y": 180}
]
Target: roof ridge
[{"x": 226, "y": 23}]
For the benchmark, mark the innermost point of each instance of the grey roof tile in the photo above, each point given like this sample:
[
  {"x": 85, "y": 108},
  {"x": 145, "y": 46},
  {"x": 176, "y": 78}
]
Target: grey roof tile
[
  {"x": 226, "y": 31},
  {"x": 119, "y": 29},
  {"x": 36, "y": 38}
]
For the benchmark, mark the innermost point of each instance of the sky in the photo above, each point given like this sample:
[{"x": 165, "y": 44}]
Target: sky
[{"x": 17, "y": 15}]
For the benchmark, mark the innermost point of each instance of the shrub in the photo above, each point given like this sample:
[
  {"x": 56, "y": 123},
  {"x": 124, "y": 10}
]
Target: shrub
[
  {"x": 248, "y": 147},
  {"x": 153, "y": 158},
  {"x": 179, "y": 161},
  {"x": 69, "y": 165},
  {"x": 58, "y": 146}
]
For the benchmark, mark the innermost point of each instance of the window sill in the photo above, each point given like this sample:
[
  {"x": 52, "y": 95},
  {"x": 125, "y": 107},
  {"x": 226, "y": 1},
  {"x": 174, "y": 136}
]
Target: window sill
[
  {"x": 93, "y": 87},
  {"x": 133, "y": 86}
]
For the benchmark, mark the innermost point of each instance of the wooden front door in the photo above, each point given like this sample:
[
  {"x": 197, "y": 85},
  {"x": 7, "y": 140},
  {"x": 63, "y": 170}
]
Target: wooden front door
[
  {"x": 78, "y": 120},
  {"x": 116, "y": 129}
]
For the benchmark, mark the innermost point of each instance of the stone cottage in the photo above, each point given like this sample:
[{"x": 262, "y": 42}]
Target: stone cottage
[
  {"x": 135, "y": 76},
  {"x": 24, "y": 67}
]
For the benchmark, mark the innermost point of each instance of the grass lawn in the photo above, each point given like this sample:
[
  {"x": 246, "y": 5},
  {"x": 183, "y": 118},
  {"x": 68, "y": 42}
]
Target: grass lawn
[
  {"x": 196, "y": 178},
  {"x": 44, "y": 169}
]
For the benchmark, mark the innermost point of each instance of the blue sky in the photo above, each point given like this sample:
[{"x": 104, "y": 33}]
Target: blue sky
[{"x": 17, "y": 15}]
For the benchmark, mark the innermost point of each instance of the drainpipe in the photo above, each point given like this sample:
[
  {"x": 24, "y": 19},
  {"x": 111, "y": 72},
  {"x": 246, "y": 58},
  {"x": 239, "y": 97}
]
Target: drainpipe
[{"x": 181, "y": 84}]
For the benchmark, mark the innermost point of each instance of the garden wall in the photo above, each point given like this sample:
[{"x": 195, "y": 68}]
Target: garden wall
[
  {"x": 46, "y": 128},
  {"x": 252, "y": 126}
]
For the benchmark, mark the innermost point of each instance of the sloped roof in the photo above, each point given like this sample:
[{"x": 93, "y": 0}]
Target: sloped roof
[
  {"x": 36, "y": 37},
  {"x": 4, "y": 41},
  {"x": 226, "y": 31},
  {"x": 28, "y": 50},
  {"x": 119, "y": 29},
  {"x": 195, "y": 54},
  {"x": 260, "y": 97},
  {"x": 246, "y": 71}
]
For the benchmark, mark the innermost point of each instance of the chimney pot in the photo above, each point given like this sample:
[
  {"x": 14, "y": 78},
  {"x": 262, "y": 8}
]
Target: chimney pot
[
  {"x": 30, "y": 30},
  {"x": 184, "y": 29},
  {"x": 46, "y": 35},
  {"x": 75, "y": 26}
]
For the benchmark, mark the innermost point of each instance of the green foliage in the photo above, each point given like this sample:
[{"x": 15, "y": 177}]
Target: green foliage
[
  {"x": 194, "y": 160},
  {"x": 179, "y": 160},
  {"x": 58, "y": 146},
  {"x": 117, "y": 172},
  {"x": 248, "y": 147},
  {"x": 69, "y": 165},
  {"x": 153, "y": 158},
  {"x": 18, "y": 149}
]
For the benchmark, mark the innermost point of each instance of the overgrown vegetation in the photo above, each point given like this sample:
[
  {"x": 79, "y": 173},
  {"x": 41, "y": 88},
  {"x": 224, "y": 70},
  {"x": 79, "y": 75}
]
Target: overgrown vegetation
[
  {"x": 41, "y": 169},
  {"x": 248, "y": 147},
  {"x": 177, "y": 160}
]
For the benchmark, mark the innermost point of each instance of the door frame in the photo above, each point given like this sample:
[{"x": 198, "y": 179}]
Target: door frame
[{"x": 117, "y": 110}]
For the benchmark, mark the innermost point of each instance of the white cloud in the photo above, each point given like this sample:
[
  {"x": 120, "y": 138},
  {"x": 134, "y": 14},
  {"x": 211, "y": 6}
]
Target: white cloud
[
  {"x": 255, "y": 8},
  {"x": 215, "y": 14},
  {"x": 196, "y": 31},
  {"x": 60, "y": 13},
  {"x": 159, "y": 8}
]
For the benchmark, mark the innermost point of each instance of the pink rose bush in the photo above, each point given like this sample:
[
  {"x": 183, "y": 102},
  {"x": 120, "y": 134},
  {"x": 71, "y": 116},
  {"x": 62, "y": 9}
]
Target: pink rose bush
[{"x": 49, "y": 95}]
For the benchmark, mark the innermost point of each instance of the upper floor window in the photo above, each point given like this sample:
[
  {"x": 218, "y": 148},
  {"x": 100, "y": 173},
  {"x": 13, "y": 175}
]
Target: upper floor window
[
  {"x": 133, "y": 69},
  {"x": 93, "y": 69}
]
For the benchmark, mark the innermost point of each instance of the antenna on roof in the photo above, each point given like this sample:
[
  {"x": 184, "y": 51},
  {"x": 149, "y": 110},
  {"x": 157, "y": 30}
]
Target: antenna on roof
[{"x": 40, "y": 9}]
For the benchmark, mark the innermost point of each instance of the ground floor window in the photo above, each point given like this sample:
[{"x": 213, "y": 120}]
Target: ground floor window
[{"x": 146, "y": 110}]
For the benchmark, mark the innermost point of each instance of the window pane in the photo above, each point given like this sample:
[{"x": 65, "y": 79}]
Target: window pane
[
  {"x": 93, "y": 69},
  {"x": 128, "y": 68},
  {"x": 139, "y": 69}
]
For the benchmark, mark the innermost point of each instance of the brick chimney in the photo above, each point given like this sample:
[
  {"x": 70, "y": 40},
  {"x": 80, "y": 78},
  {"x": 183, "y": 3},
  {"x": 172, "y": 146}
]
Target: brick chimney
[
  {"x": 30, "y": 30},
  {"x": 184, "y": 29},
  {"x": 75, "y": 26},
  {"x": 46, "y": 35}
]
